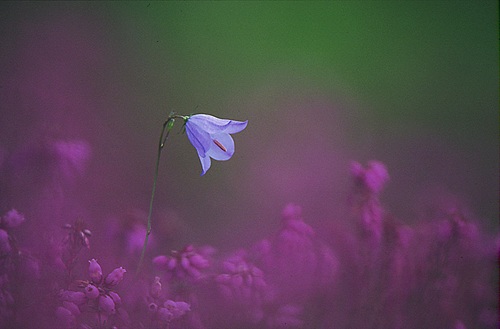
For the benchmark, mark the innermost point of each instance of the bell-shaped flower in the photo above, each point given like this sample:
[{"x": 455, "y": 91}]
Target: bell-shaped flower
[
  {"x": 172, "y": 310},
  {"x": 12, "y": 219},
  {"x": 211, "y": 137},
  {"x": 116, "y": 298},
  {"x": 91, "y": 291},
  {"x": 72, "y": 307},
  {"x": 115, "y": 277},
  {"x": 155, "y": 289},
  {"x": 106, "y": 304},
  {"x": 95, "y": 271}
]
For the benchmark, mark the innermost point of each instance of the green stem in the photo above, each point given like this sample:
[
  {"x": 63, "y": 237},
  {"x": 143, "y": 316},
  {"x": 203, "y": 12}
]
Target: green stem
[{"x": 166, "y": 127}]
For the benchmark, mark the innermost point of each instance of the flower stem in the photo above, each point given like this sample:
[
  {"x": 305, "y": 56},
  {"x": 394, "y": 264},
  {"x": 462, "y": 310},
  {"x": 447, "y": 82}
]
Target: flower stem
[{"x": 167, "y": 126}]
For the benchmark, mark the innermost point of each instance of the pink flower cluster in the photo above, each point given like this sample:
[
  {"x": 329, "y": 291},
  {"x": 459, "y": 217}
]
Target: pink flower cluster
[
  {"x": 163, "y": 312},
  {"x": 379, "y": 272},
  {"x": 97, "y": 298},
  {"x": 185, "y": 264}
]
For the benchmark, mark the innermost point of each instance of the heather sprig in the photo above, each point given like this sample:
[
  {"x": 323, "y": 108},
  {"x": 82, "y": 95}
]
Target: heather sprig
[
  {"x": 96, "y": 303},
  {"x": 163, "y": 311},
  {"x": 77, "y": 238}
]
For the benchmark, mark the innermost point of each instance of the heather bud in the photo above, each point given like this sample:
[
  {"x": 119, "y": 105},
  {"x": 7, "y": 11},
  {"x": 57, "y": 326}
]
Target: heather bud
[
  {"x": 376, "y": 176},
  {"x": 72, "y": 307},
  {"x": 177, "y": 309},
  {"x": 95, "y": 271},
  {"x": 115, "y": 277},
  {"x": 12, "y": 218},
  {"x": 106, "y": 304},
  {"x": 156, "y": 288},
  {"x": 116, "y": 298},
  {"x": 91, "y": 291},
  {"x": 198, "y": 261},
  {"x": 164, "y": 314},
  {"x": 160, "y": 262}
]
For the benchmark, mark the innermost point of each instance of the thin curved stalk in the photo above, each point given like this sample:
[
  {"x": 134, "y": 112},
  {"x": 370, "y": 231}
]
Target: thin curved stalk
[{"x": 163, "y": 138}]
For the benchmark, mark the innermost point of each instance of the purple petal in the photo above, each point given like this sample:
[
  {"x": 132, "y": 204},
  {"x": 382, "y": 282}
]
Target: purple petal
[
  {"x": 222, "y": 147},
  {"x": 214, "y": 125},
  {"x": 205, "y": 164},
  {"x": 199, "y": 138}
]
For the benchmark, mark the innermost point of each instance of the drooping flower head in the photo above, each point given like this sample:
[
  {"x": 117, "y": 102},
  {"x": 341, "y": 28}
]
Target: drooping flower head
[{"x": 211, "y": 137}]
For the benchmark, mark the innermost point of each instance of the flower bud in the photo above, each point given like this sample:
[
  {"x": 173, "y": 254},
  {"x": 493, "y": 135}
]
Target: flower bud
[
  {"x": 160, "y": 262},
  {"x": 95, "y": 271},
  {"x": 177, "y": 309},
  {"x": 72, "y": 307},
  {"x": 185, "y": 262},
  {"x": 116, "y": 298},
  {"x": 198, "y": 261},
  {"x": 164, "y": 314},
  {"x": 376, "y": 176},
  {"x": 12, "y": 219},
  {"x": 106, "y": 304},
  {"x": 91, "y": 291},
  {"x": 115, "y": 277},
  {"x": 155, "y": 288}
]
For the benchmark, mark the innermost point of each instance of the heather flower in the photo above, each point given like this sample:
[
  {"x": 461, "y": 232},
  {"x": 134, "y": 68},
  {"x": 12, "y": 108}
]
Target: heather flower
[
  {"x": 78, "y": 235},
  {"x": 164, "y": 314},
  {"x": 211, "y": 137},
  {"x": 106, "y": 304},
  {"x": 72, "y": 307},
  {"x": 292, "y": 220},
  {"x": 155, "y": 289},
  {"x": 295, "y": 239},
  {"x": 169, "y": 309},
  {"x": 182, "y": 264},
  {"x": 172, "y": 310},
  {"x": 95, "y": 271},
  {"x": 91, "y": 291},
  {"x": 116, "y": 298},
  {"x": 295, "y": 261},
  {"x": 12, "y": 219},
  {"x": 76, "y": 239},
  {"x": 242, "y": 281},
  {"x": 115, "y": 277},
  {"x": 369, "y": 182},
  {"x": 373, "y": 178},
  {"x": 177, "y": 309},
  {"x": 97, "y": 296}
]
